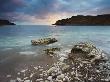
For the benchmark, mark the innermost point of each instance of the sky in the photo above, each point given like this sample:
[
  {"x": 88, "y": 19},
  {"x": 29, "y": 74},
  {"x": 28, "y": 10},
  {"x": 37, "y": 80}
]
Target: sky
[{"x": 46, "y": 12}]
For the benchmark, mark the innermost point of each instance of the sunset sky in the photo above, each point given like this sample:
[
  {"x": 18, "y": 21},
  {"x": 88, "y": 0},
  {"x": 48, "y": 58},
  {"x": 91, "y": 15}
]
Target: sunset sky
[{"x": 48, "y": 11}]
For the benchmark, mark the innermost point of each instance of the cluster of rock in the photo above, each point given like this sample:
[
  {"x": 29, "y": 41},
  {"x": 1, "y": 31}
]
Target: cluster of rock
[
  {"x": 51, "y": 51},
  {"x": 85, "y": 63},
  {"x": 88, "y": 64},
  {"x": 87, "y": 51},
  {"x": 44, "y": 41},
  {"x": 85, "y": 20}
]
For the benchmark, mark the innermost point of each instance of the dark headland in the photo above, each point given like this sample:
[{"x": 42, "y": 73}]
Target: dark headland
[
  {"x": 85, "y": 20},
  {"x": 5, "y": 22}
]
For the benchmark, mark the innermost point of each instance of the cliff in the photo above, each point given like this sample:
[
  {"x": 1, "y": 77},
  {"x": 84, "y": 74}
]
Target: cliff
[
  {"x": 85, "y": 20},
  {"x": 5, "y": 22}
]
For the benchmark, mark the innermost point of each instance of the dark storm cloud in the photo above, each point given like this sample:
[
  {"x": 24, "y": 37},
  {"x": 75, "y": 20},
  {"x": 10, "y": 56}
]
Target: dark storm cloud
[
  {"x": 22, "y": 10},
  {"x": 10, "y": 5},
  {"x": 40, "y": 7},
  {"x": 81, "y": 6},
  {"x": 43, "y": 7}
]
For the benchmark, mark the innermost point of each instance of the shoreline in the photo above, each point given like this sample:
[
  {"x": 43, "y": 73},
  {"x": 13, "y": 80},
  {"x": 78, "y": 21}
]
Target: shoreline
[
  {"x": 36, "y": 65},
  {"x": 86, "y": 20},
  {"x": 79, "y": 25}
]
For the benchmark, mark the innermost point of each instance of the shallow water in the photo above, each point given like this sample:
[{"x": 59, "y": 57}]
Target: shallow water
[
  {"x": 19, "y": 37},
  {"x": 16, "y": 49}
]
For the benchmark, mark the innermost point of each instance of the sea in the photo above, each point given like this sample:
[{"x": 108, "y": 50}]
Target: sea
[{"x": 16, "y": 51}]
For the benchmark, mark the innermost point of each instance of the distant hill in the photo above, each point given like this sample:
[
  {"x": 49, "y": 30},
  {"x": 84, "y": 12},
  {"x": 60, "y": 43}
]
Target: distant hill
[
  {"x": 85, "y": 20},
  {"x": 5, "y": 22}
]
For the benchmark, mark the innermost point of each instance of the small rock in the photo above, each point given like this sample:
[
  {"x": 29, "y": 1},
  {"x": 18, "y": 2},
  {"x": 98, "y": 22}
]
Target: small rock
[
  {"x": 12, "y": 80},
  {"x": 36, "y": 68},
  {"x": 60, "y": 77},
  {"x": 49, "y": 78},
  {"x": 27, "y": 81},
  {"x": 39, "y": 80},
  {"x": 18, "y": 73},
  {"x": 8, "y": 76},
  {"x": 51, "y": 70},
  {"x": 19, "y": 79}
]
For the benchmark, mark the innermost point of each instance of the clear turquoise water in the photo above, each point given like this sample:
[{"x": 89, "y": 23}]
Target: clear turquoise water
[
  {"x": 17, "y": 53},
  {"x": 19, "y": 37}
]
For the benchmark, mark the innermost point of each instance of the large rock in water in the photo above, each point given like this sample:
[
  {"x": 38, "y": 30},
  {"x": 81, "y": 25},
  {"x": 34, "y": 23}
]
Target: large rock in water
[
  {"x": 87, "y": 52},
  {"x": 88, "y": 64},
  {"x": 44, "y": 41}
]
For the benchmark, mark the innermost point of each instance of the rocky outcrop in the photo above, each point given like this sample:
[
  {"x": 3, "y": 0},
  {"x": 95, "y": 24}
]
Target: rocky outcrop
[
  {"x": 85, "y": 20},
  {"x": 44, "y": 41},
  {"x": 88, "y": 64},
  {"x": 88, "y": 52},
  {"x": 5, "y": 22},
  {"x": 51, "y": 51}
]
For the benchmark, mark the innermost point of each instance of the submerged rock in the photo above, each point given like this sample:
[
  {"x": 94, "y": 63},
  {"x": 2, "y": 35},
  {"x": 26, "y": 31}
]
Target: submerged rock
[
  {"x": 51, "y": 51},
  {"x": 44, "y": 41}
]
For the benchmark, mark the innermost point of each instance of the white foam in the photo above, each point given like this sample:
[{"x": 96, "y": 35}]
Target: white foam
[
  {"x": 24, "y": 70},
  {"x": 30, "y": 36},
  {"x": 67, "y": 51},
  {"x": 59, "y": 44},
  {"x": 62, "y": 59},
  {"x": 62, "y": 54},
  {"x": 27, "y": 53},
  {"x": 50, "y": 45},
  {"x": 5, "y": 49},
  {"x": 70, "y": 45}
]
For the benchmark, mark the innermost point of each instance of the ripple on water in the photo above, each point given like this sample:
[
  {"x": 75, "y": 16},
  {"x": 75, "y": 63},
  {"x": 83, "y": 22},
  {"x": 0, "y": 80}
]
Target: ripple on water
[
  {"x": 27, "y": 53},
  {"x": 30, "y": 36},
  {"x": 6, "y": 49}
]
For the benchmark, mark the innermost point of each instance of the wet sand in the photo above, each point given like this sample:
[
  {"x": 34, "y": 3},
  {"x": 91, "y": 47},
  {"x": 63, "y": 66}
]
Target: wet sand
[{"x": 11, "y": 62}]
